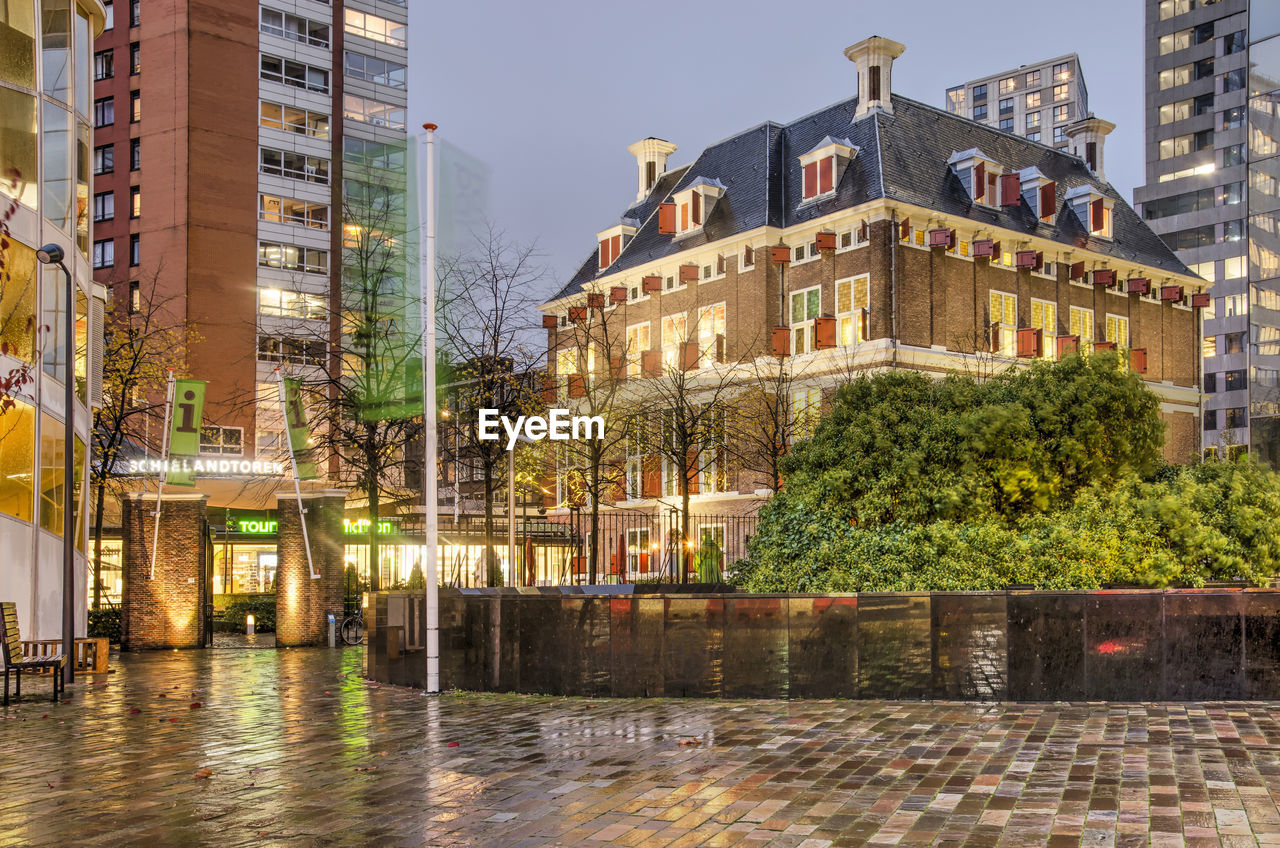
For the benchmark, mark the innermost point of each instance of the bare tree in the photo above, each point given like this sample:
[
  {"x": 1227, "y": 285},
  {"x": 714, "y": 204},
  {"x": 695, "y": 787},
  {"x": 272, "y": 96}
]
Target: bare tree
[
  {"x": 142, "y": 341},
  {"x": 487, "y": 330},
  {"x": 590, "y": 369},
  {"x": 683, "y": 415},
  {"x": 766, "y": 420}
]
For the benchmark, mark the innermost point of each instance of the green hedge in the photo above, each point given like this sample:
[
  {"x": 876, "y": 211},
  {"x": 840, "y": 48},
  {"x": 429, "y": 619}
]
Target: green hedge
[
  {"x": 263, "y": 610},
  {"x": 105, "y": 623}
]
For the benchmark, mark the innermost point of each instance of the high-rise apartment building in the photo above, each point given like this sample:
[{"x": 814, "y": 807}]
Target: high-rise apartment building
[
  {"x": 239, "y": 147},
  {"x": 1210, "y": 166},
  {"x": 1036, "y": 101}
]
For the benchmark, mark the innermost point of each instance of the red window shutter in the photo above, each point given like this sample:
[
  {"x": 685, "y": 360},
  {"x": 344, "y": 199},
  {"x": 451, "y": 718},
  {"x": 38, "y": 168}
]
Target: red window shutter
[
  {"x": 866, "y": 324},
  {"x": 577, "y": 386},
  {"x": 651, "y": 363},
  {"x": 1010, "y": 190},
  {"x": 1138, "y": 285},
  {"x": 688, "y": 273},
  {"x": 939, "y": 238},
  {"x": 1048, "y": 200},
  {"x": 549, "y": 390},
  {"x": 1100, "y": 347},
  {"x": 1029, "y": 342},
  {"x": 1172, "y": 294},
  {"x": 684, "y": 217},
  {"x": 825, "y": 174},
  {"x": 905, "y": 229},
  {"x": 651, "y": 284},
  {"x": 824, "y": 333},
  {"x": 1138, "y": 359},
  {"x": 666, "y": 219},
  {"x": 748, "y": 256},
  {"x": 781, "y": 341},
  {"x": 615, "y": 248},
  {"x": 1077, "y": 271},
  {"x": 1200, "y": 300},
  {"x": 595, "y": 300},
  {"x": 1039, "y": 260},
  {"x": 549, "y": 322},
  {"x": 618, "y": 368},
  {"x": 696, "y": 203},
  {"x": 779, "y": 254},
  {"x": 979, "y": 181},
  {"x": 1096, "y": 215},
  {"x": 689, "y": 355},
  {"x": 1025, "y": 259},
  {"x": 720, "y": 351},
  {"x": 577, "y": 313},
  {"x": 1104, "y": 277},
  {"x": 983, "y": 248},
  {"x": 618, "y": 294},
  {"x": 810, "y": 180},
  {"x": 604, "y": 254},
  {"x": 826, "y": 241},
  {"x": 864, "y": 231},
  {"x": 720, "y": 264},
  {"x": 1068, "y": 344}
]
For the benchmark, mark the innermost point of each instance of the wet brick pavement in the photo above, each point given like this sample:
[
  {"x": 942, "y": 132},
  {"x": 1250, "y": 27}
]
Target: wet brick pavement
[{"x": 294, "y": 748}]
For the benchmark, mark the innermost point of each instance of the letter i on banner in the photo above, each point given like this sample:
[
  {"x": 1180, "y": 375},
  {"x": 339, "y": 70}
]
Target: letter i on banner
[{"x": 184, "y": 431}]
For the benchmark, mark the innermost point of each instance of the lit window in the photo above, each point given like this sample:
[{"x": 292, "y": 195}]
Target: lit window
[
  {"x": 297, "y": 166},
  {"x": 1003, "y": 322},
  {"x": 1007, "y": 85},
  {"x": 1210, "y": 347},
  {"x": 1061, "y": 113},
  {"x": 1044, "y": 317},
  {"x": 674, "y": 334},
  {"x": 1061, "y": 92},
  {"x": 853, "y": 299},
  {"x": 1033, "y": 120},
  {"x": 1081, "y": 326},
  {"x": 711, "y": 335},
  {"x": 373, "y": 112},
  {"x": 1033, "y": 100},
  {"x": 292, "y": 258},
  {"x": 222, "y": 440},
  {"x": 805, "y": 306},
  {"x": 287, "y": 210},
  {"x": 291, "y": 304},
  {"x": 293, "y": 119},
  {"x": 135, "y": 201},
  {"x": 1033, "y": 79},
  {"x": 1117, "y": 330},
  {"x": 374, "y": 28},
  {"x": 1062, "y": 72},
  {"x": 637, "y": 344},
  {"x": 806, "y": 408}
]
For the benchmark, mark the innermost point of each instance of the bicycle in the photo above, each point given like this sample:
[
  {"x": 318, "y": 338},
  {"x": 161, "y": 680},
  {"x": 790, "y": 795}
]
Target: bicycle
[{"x": 353, "y": 629}]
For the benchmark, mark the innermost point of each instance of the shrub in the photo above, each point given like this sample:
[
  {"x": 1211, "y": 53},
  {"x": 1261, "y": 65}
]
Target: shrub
[
  {"x": 262, "y": 609},
  {"x": 105, "y": 623}
]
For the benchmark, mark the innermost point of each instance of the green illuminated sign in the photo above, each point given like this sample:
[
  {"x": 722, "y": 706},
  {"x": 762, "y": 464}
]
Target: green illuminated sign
[
  {"x": 355, "y": 526},
  {"x": 259, "y": 526}
]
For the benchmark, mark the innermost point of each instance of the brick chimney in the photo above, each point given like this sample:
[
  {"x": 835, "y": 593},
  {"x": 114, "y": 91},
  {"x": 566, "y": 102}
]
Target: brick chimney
[
  {"x": 651, "y": 162},
  {"x": 874, "y": 57},
  {"x": 1087, "y": 136}
]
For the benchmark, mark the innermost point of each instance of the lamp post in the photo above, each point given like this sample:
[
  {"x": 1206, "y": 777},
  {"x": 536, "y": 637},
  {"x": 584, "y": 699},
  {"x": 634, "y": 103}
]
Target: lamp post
[{"x": 52, "y": 254}]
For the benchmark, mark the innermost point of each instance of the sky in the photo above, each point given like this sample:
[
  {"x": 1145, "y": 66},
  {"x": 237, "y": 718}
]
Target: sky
[{"x": 549, "y": 94}]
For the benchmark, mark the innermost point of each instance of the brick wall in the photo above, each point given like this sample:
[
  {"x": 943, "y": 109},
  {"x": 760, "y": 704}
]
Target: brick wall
[
  {"x": 164, "y": 612},
  {"x": 301, "y": 601}
]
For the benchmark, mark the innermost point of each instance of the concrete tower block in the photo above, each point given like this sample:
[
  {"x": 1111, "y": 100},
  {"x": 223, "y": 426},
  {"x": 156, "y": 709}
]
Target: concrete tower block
[
  {"x": 164, "y": 611},
  {"x": 302, "y": 601}
]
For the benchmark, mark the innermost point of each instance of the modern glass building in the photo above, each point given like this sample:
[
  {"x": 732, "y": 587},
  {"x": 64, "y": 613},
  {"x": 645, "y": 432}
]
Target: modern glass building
[
  {"x": 1264, "y": 219},
  {"x": 46, "y": 113}
]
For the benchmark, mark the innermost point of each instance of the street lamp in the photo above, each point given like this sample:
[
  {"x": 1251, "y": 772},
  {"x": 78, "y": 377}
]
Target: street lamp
[{"x": 52, "y": 254}]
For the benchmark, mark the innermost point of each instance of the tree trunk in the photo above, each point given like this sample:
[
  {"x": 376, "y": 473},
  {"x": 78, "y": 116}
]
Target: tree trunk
[
  {"x": 371, "y": 497},
  {"x": 684, "y": 529},
  {"x": 97, "y": 544},
  {"x": 595, "y": 523},
  {"x": 490, "y": 555}
]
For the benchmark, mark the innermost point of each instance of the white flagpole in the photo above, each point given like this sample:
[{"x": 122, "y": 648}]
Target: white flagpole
[
  {"x": 297, "y": 484},
  {"x": 164, "y": 470},
  {"x": 427, "y": 279}
]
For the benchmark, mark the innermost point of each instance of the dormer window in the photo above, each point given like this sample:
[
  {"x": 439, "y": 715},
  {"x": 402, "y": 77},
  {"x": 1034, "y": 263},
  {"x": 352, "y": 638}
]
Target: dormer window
[
  {"x": 693, "y": 204},
  {"x": 822, "y": 167},
  {"x": 1093, "y": 209},
  {"x": 612, "y": 241},
  {"x": 1040, "y": 193},
  {"x": 979, "y": 175}
]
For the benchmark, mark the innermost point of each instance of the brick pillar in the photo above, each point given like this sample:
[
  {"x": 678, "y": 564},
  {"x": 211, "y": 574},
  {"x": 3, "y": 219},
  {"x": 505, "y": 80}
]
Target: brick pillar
[
  {"x": 301, "y": 601},
  {"x": 164, "y": 612}
]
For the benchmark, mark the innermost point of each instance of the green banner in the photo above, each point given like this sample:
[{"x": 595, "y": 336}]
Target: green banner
[
  {"x": 184, "y": 431},
  {"x": 295, "y": 417}
]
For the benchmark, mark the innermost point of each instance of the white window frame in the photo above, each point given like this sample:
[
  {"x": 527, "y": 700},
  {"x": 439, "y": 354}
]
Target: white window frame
[
  {"x": 674, "y": 333},
  {"x": 1047, "y": 324},
  {"x": 850, "y": 327},
  {"x": 711, "y": 323},
  {"x": 1081, "y": 323},
  {"x": 1002, "y": 305},
  {"x": 803, "y": 332},
  {"x": 642, "y": 334}
]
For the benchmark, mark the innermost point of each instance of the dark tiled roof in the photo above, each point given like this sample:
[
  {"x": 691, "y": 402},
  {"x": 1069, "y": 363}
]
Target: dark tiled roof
[{"x": 900, "y": 157}]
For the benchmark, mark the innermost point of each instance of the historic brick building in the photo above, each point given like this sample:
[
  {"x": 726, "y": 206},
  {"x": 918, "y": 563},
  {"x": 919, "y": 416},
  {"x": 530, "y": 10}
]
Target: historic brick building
[{"x": 878, "y": 232}]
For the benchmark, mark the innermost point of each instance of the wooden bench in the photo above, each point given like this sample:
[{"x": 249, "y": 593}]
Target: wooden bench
[
  {"x": 91, "y": 653},
  {"x": 11, "y": 650}
]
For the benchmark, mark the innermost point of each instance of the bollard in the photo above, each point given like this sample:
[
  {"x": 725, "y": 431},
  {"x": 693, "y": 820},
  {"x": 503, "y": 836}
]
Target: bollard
[
  {"x": 248, "y": 624},
  {"x": 333, "y": 631}
]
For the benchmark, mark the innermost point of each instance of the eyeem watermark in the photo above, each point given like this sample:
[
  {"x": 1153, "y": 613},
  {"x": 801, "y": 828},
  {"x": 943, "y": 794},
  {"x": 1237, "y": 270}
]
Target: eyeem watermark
[{"x": 560, "y": 426}]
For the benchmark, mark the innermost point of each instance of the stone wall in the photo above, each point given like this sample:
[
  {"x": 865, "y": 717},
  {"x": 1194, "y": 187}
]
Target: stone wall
[{"x": 984, "y": 646}]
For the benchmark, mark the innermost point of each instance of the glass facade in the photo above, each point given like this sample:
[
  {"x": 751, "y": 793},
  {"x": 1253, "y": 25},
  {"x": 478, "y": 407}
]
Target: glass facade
[
  {"x": 46, "y": 55},
  {"x": 1263, "y": 156}
]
